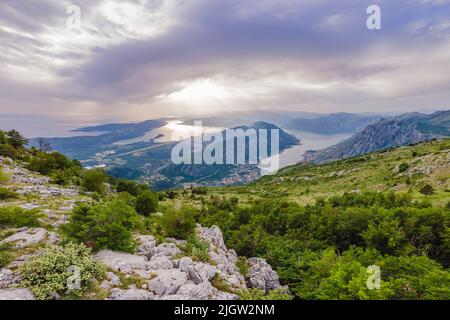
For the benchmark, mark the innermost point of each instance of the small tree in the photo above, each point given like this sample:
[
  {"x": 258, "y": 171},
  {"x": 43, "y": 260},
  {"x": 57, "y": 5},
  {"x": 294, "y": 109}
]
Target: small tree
[
  {"x": 93, "y": 180},
  {"x": 426, "y": 190},
  {"x": 179, "y": 223},
  {"x": 147, "y": 202},
  {"x": 103, "y": 226},
  {"x": 16, "y": 139}
]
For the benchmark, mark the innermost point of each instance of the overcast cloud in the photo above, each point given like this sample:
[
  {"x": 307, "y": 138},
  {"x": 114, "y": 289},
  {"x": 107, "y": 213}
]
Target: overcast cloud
[{"x": 140, "y": 59}]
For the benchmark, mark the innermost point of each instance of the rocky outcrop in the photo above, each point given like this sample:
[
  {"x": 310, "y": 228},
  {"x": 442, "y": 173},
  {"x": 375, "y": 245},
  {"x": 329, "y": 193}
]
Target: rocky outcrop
[
  {"x": 26, "y": 237},
  {"x": 168, "y": 275},
  {"x": 16, "y": 294},
  {"x": 131, "y": 294},
  {"x": 261, "y": 275},
  {"x": 8, "y": 279}
]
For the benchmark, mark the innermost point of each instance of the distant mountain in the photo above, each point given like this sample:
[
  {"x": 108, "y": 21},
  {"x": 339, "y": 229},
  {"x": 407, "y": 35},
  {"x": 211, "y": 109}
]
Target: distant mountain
[
  {"x": 401, "y": 130},
  {"x": 222, "y": 174},
  {"x": 333, "y": 123},
  {"x": 150, "y": 161},
  {"x": 82, "y": 147}
]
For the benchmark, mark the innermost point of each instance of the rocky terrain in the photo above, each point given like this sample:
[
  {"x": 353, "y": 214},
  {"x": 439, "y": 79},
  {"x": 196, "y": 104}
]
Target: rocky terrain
[
  {"x": 390, "y": 132},
  {"x": 156, "y": 271}
]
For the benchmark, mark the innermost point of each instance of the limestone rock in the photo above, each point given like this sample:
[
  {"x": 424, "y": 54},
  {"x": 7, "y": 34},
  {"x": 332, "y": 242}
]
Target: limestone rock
[
  {"x": 30, "y": 236},
  {"x": 201, "y": 272},
  {"x": 160, "y": 262},
  {"x": 124, "y": 262},
  {"x": 261, "y": 275},
  {"x": 16, "y": 294},
  {"x": 166, "y": 249},
  {"x": 167, "y": 282},
  {"x": 131, "y": 294},
  {"x": 147, "y": 244},
  {"x": 8, "y": 278}
]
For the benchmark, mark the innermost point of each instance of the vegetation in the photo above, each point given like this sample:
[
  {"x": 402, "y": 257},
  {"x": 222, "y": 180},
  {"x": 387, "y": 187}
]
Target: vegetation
[
  {"x": 103, "y": 225},
  {"x": 94, "y": 180},
  {"x": 178, "y": 223},
  {"x": 257, "y": 294},
  {"x": 5, "y": 255},
  {"x": 322, "y": 251},
  {"x": 6, "y": 194},
  {"x": 49, "y": 273},
  {"x": 11, "y": 217},
  {"x": 197, "y": 249},
  {"x": 146, "y": 203}
]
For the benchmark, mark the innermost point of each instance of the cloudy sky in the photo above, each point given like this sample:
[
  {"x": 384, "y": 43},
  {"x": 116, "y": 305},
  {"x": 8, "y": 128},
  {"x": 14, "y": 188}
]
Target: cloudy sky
[{"x": 138, "y": 59}]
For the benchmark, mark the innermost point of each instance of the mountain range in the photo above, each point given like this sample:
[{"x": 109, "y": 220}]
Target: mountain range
[{"x": 389, "y": 132}]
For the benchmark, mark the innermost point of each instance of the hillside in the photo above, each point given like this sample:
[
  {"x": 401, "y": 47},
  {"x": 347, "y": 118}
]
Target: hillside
[
  {"x": 333, "y": 123},
  {"x": 390, "y": 132},
  {"x": 322, "y": 226},
  {"x": 123, "y": 244}
]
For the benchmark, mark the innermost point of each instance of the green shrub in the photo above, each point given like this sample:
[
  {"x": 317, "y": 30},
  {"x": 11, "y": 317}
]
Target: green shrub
[
  {"x": 197, "y": 249},
  {"x": 403, "y": 167},
  {"x": 257, "y": 294},
  {"x": 18, "y": 217},
  {"x": 7, "y": 194},
  {"x": 103, "y": 226},
  {"x": 7, "y": 150},
  {"x": 131, "y": 187},
  {"x": 4, "y": 178},
  {"x": 94, "y": 180},
  {"x": 178, "y": 223},
  {"x": 49, "y": 272},
  {"x": 15, "y": 139},
  {"x": 146, "y": 203},
  {"x": 243, "y": 266},
  {"x": 427, "y": 190},
  {"x": 6, "y": 255}
]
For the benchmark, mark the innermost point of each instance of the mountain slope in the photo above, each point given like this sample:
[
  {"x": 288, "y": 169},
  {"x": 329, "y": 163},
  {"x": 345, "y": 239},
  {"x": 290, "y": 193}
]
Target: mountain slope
[
  {"x": 333, "y": 123},
  {"x": 396, "y": 131}
]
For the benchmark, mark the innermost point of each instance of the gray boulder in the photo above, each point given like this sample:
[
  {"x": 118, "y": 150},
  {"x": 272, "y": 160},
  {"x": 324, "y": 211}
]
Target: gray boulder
[
  {"x": 167, "y": 282},
  {"x": 261, "y": 275},
  {"x": 160, "y": 262},
  {"x": 201, "y": 272},
  {"x": 130, "y": 294},
  {"x": 16, "y": 294},
  {"x": 124, "y": 262},
  {"x": 30, "y": 236},
  {"x": 147, "y": 244},
  {"x": 166, "y": 249}
]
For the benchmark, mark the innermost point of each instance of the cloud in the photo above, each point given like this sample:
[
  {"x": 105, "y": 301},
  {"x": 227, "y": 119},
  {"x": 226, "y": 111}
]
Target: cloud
[{"x": 143, "y": 58}]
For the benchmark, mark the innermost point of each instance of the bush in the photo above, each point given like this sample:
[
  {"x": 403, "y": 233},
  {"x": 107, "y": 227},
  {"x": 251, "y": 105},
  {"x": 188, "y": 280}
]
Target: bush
[
  {"x": 103, "y": 226},
  {"x": 7, "y": 194},
  {"x": 426, "y": 190},
  {"x": 146, "y": 203},
  {"x": 131, "y": 187},
  {"x": 403, "y": 167},
  {"x": 18, "y": 217},
  {"x": 6, "y": 255},
  {"x": 94, "y": 180},
  {"x": 49, "y": 273},
  {"x": 197, "y": 249},
  {"x": 45, "y": 163},
  {"x": 15, "y": 139},
  {"x": 243, "y": 266},
  {"x": 4, "y": 178},
  {"x": 179, "y": 223},
  {"x": 7, "y": 150}
]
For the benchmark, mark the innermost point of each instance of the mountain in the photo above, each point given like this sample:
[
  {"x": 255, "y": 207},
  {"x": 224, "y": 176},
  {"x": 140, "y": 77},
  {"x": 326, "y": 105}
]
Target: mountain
[
  {"x": 81, "y": 147},
  {"x": 333, "y": 123},
  {"x": 142, "y": 158},
  {"x": 401, "y": 130}
]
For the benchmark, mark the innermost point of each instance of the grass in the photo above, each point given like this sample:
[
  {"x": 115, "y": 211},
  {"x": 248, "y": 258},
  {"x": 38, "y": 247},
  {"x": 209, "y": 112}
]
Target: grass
[{"x": 427, "y": 163}]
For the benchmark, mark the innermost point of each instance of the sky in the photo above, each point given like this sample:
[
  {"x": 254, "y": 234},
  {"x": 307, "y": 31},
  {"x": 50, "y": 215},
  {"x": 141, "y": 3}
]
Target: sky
[{"x": 140, "y": 59}]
